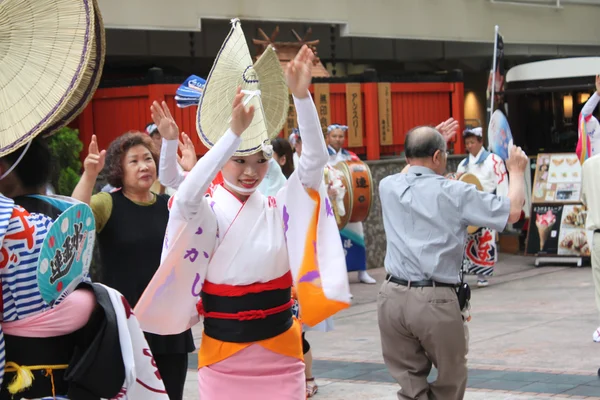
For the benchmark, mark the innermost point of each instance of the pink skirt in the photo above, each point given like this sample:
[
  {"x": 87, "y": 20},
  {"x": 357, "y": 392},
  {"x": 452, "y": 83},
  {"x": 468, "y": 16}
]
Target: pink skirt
[{"x": 254, "y": 373}]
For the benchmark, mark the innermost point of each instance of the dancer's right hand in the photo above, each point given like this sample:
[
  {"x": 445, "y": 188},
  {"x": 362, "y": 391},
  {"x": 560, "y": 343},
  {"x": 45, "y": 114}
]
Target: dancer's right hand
[
  {"x": 517, "y": 160},
  {"x": 94, "y": 162},
  {"x": 161, "y": 115},
  {"x": 241, "y": 118}
]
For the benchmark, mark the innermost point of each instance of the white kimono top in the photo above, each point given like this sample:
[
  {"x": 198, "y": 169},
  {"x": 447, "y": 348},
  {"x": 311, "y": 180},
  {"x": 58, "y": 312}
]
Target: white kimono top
[
  {"x": 489, "y": 169},
  {"x": 219, "y": 238}
]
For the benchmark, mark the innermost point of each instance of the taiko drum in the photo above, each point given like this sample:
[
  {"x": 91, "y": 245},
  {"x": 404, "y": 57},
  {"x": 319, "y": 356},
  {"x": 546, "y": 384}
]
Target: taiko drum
[{"x": 359, "y": 189}]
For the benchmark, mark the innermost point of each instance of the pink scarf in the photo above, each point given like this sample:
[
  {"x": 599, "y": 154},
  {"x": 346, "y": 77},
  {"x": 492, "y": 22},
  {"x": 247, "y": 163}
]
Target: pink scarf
[{"x": 70, "y": 315}]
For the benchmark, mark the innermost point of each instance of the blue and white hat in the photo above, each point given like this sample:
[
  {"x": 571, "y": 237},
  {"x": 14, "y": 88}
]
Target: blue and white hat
[
  {"x": 330, "y": 128},
  {"x": 473, "y": 132}
]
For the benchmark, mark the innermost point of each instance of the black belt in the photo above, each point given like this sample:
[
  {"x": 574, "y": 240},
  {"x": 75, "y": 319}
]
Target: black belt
[
  {"x": 247, "y": 330},
  {"x": 597, "y": 231},
  {"x": 25, "y": 351},
  {"x": 426, "y": 283}
]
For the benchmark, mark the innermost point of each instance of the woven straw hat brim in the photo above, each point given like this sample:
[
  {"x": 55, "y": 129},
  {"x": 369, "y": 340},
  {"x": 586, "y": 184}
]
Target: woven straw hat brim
[
  {"x": 233, "y": 67},
  {"x": 90, "y": 80},
  {"x": 45, "y": 46},
  {"x": 471, "y": 179}
]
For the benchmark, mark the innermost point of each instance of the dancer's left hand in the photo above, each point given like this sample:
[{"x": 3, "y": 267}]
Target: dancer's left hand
[
  {"x": 299, "y": 73},
  {"x": 448, "y": 128},
  {"x": 188, "y": 153}
]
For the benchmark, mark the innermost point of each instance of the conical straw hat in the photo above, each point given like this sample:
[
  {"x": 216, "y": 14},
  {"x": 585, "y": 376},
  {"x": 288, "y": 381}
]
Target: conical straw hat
[
  {"x": 45, "y": 49},
  {"x": 89, "y": 81},
  {"x": 263, "y": 83}
]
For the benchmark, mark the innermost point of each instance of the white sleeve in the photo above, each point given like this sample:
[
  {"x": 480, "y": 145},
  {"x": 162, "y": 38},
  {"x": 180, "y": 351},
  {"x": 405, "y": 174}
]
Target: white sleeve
[
  {"x": 461, "y": 167},
  {"x": 170, "y": 174},
  {"x": 590, "y": 105},
  {"x": 314, "y": 152},
  {"x": 189, "y": 199}
]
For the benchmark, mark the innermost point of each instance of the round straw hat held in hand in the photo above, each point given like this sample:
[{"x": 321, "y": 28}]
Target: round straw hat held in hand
[
  {"x": 45, "y": 47},
  {"x": 472, "y": 180},
  {"x": 263, "y": 84}
]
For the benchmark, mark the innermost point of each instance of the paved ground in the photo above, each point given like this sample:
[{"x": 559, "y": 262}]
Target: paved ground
[{"x": 530, "y": 339}]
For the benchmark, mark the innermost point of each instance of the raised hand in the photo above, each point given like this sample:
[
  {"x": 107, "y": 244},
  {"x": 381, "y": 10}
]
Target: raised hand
[
  {"x": 598, "y": 84},
  {"x": 517, "y": 160},
  {"x": 448, "y": 128},
  {"x": 299, "y": 72},
  {"x": 94, "y": 162},
  {"x": 161, "y": 115},
  {"x": 241, "y": 118},
  {"x": 188, "y": 153}
]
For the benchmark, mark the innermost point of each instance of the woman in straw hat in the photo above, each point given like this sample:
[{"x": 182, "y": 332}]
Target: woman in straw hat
[
  {"x": 239, "y": 252},
  {"x": 61, "y": 331},
  {"x": 61, "y": 336}
]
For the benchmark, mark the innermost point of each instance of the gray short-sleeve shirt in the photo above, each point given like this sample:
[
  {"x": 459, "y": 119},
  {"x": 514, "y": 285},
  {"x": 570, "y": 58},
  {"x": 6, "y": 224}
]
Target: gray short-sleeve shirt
[{"x": 425, "y": 217}]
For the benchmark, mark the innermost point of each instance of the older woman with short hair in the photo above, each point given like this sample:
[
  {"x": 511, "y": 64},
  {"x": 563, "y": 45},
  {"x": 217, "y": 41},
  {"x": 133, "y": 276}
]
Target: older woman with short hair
[{"x": 131, "y": 224}]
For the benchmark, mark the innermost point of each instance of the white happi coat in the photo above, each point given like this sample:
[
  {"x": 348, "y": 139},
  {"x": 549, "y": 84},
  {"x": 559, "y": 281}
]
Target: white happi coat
[
  {"x": 218, "y": 238},
  {"x": 491, "y": 172}
]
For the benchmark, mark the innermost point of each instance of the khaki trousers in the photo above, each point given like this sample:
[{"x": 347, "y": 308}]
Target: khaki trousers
[
  {"x": 596, "y": 267},
  {"x": 420, "y": 326}
]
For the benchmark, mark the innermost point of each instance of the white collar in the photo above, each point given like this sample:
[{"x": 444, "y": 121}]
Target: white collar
[{"x": 476, "y": 158}]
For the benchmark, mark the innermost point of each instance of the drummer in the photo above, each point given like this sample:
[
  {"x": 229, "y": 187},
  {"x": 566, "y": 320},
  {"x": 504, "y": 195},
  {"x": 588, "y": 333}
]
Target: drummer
[
  {"x": 353, "y": 236},
  {"x": 481, "y": 249}
]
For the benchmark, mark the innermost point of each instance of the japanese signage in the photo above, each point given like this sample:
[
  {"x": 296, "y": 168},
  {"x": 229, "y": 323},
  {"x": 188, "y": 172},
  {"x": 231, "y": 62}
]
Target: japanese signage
[
  {"x": 386, "y": 130},
  {"x": 291, "y": 121},
  {"x": 559, "y": 230},
  {"x": 66, "y": 253},
  {"x": 557, "y": 179},
  {"x": 354, "y": 114},
  {"x": 558, "y": 217},
  {"x": 322, "y": 103}
]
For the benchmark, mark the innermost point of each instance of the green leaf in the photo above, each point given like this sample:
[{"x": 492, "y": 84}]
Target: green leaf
[{"x": 65, "y": 148}]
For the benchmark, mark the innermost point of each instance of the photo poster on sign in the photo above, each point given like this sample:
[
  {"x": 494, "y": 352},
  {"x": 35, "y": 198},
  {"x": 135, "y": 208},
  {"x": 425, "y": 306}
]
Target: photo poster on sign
[
  {"x": 544, "y": 227},
  {"x": 573, "y": 238},
  {"x": 291, "y": 122},
  {"x": 557, "y": 224},
  {"x": 557, "y": 179},
  {"x": 354, "y": 114},
  {"x": 386, "y": 129},
  {"x": 322, "y": 103}
]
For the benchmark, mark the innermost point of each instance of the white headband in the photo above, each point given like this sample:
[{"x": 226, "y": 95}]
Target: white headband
[{"x": 336, "y": 126}]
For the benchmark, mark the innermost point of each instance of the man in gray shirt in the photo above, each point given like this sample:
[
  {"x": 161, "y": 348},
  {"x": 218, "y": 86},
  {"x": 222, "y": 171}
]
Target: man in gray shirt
[{"x": 425, "y": 217}]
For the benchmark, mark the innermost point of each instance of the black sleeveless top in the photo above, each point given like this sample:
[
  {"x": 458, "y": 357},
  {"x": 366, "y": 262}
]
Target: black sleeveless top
[{"x": 130, "y": 249}]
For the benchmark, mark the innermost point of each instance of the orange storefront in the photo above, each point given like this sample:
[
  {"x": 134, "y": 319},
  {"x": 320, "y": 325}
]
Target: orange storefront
[{"x": 378, "y": 114}]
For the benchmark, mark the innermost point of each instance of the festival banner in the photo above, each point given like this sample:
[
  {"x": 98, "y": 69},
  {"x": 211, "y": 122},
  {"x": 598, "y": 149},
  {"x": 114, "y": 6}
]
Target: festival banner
[
  {"x": 354, "y": 113},
  {"x": 386, "y": 130},
  {"x": 291, "y": 122},
  {"x": 322, "y": 104},
  {"x": 496, "y": 78}
]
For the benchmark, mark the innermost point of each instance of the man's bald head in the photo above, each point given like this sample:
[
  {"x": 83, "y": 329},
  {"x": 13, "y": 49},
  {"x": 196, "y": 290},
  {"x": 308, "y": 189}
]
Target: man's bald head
[
  {"x": 423, "y": 142},
  {"x": 426, "y": 147}
]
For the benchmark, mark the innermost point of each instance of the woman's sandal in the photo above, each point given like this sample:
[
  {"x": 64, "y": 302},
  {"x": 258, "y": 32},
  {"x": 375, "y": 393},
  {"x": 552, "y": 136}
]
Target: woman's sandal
[{"x": 311, "y": 387}]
